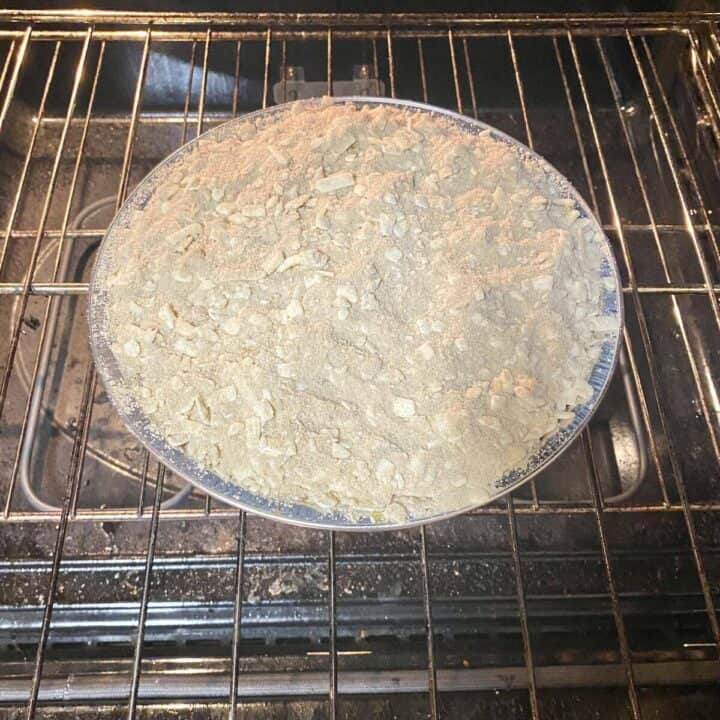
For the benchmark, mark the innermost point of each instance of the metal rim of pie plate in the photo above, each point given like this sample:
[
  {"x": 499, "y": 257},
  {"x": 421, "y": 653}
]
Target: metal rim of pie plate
[{"x": 209, "y": 482}]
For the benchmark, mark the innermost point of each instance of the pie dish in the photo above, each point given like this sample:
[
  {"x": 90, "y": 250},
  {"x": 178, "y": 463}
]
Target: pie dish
[{"x": 386, "y": 399}]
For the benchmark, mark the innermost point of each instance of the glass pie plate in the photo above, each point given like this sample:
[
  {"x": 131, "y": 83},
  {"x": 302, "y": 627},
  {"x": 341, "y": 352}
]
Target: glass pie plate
[{"x": 131, "y": 411}]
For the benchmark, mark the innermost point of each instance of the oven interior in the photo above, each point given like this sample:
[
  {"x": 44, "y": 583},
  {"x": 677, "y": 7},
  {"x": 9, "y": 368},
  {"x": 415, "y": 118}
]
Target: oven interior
[{"x": 591, "y": 592}]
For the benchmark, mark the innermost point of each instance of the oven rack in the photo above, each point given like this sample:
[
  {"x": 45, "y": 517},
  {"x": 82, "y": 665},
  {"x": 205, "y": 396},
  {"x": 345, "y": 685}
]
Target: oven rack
[{"x": 681, "y": 120}]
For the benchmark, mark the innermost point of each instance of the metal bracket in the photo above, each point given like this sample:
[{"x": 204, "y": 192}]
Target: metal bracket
[{"x": 294, "y": 86}]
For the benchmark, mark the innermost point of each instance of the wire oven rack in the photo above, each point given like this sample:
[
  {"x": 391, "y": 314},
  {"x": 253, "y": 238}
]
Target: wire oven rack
[{"x": 636, "y": 126}]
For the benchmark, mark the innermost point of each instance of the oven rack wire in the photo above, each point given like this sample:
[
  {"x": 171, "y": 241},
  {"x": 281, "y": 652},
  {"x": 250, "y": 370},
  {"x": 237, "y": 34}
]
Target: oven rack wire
[{"x": 94, "y": 32}]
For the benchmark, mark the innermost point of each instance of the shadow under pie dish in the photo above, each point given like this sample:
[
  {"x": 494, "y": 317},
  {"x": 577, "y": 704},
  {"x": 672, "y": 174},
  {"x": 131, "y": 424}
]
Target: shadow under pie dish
[{"x": 355, "y": 313}]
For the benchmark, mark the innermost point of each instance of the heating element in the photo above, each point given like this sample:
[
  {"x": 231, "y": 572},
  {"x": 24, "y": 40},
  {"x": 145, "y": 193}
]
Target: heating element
[{"x": 593, "y": 591}]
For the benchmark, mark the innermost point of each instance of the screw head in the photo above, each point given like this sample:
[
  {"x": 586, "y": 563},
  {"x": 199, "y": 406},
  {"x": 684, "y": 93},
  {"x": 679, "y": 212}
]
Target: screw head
[{"x": 630, "y": 109}]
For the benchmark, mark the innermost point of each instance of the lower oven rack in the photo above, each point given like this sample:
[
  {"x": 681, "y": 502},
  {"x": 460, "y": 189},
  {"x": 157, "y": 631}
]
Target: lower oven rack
[{"x": 595, "y": 591}]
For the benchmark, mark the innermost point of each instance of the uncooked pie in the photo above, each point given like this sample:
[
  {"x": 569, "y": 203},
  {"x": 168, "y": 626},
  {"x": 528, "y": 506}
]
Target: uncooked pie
[{"x": 363, "y": 309}]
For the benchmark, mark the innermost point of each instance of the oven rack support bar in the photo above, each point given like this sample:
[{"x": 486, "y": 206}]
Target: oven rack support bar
[
  {"x": 369, "y": 20},
  {"x": 101, "y": 687}
]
